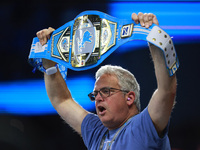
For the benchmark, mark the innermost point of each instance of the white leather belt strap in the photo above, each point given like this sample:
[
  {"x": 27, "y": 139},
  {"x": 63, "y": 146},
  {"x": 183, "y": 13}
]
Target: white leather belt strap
[{"x": 160, "y": 38}]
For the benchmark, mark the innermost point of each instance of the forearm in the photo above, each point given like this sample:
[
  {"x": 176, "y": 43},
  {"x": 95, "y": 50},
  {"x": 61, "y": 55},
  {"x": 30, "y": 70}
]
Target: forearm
[
  {"x": 162, "y": 101},
  {"x": 164, "y": 81},
  {"x": 62, "y": 101},
  {"x": 56, "y": 88},
  {"x": 58, "y": 91}
]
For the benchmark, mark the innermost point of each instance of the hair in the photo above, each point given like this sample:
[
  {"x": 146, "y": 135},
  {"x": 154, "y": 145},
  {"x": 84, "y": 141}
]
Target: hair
[{"x": 126, "y": 80}]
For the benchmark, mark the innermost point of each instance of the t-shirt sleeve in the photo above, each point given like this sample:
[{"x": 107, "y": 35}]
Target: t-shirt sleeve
[
  {"x": 147, "y": 132},
  {"x": 91, "y": 129}
]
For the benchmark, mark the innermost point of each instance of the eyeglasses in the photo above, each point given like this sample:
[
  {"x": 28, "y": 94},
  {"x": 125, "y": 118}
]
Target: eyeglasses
[{"x": 104, "y": 92}]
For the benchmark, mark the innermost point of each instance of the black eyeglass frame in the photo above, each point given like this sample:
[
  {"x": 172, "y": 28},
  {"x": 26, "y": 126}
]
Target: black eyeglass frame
[{"x": 92, "y": 95}]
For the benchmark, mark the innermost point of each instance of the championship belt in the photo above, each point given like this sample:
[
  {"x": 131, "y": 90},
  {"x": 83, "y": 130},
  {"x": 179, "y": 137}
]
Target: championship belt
[{"x": 91, "y": 37}]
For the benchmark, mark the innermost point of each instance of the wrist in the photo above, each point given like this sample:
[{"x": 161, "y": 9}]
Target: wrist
[
  {"x": 51, "y": 70},
  {"x": 48, "y": 63}
]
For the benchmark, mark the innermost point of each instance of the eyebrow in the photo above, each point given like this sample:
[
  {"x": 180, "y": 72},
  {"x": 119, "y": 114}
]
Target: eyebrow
[{"x": 102, "y": 88}]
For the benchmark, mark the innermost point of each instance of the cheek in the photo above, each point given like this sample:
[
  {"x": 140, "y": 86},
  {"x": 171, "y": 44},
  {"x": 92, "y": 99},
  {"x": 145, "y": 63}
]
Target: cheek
[{"x": 117, "y": 106}]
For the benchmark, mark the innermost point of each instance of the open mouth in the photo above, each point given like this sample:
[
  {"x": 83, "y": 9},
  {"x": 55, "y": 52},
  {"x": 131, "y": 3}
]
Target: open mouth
[{"x": 101, "y": 109}]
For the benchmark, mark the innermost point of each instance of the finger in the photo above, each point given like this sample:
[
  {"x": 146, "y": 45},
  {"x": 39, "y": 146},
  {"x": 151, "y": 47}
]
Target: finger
[
  {"x": 42, "y": 36},
  {"x": 146, "y": 20},
  {"x": 135, "y": 18},
  {"x": 145, "y": 17},
  {"x": 155, "y": 20},
  {"x": 39, "y": 34},
  {"x": 50, "y": 30},
  {"x": 150, "y": 16},
  {"x": 141, "y": 19},
  {"x": 150, "y": 23}
]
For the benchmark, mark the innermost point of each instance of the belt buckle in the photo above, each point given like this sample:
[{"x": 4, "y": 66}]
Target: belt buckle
[
  {"x": 92, "y": 36},
  {"x": 86, "y": 40}
]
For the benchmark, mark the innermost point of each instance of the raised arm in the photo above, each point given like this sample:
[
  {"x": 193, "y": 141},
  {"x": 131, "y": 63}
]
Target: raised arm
[
  {"x": 59, "y": 93},
  {"x": 162, "y": 100}
]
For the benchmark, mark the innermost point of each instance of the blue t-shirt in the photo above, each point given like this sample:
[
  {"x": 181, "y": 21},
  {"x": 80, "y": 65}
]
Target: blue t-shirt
[{"x": 138, "y": 134}]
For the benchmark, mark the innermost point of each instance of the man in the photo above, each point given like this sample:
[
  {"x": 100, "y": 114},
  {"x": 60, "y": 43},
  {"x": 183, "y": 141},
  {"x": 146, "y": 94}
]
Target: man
[{"x": 119, "y": 124}]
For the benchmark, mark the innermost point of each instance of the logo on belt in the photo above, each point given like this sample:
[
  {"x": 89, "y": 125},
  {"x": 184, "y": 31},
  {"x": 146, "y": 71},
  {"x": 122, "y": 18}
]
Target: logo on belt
[
  {"x": 84, "y": 50},
  {"x": 126, "y": 30},
  {"x": 82, "y": 42}
]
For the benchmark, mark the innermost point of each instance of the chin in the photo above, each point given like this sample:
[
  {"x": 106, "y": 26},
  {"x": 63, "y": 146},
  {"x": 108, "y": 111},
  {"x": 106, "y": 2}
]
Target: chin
[{"x": 106, "y": 121}]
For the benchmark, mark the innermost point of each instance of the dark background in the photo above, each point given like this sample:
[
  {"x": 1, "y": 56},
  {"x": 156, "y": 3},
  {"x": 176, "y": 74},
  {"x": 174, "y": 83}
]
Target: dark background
[{"x": 20, "y": 20}]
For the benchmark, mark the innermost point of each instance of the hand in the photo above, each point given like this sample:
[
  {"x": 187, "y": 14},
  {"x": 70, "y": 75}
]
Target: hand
[
  {"x": 145, "y": 20},
  {"x": 43, "y": 36}
]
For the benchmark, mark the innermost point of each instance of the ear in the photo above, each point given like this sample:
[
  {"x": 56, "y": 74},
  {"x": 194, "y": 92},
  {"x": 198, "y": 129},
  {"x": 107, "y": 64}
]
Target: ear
[{"x": 130, "y": 97}]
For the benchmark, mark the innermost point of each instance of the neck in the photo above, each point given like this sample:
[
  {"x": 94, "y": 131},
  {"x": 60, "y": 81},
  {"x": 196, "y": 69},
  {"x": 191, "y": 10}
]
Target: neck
[{"x": 123, "y": 122}]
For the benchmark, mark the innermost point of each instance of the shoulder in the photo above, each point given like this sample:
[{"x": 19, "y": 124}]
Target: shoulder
[
  {"x": 92, "y": 131},
  {"x": 141, "y": 117},
  {"x": 90, "y": 119},
  {"x": 142, "y": 120},
  {"x": 91, "y": 122},
  {"x": 143, "y": 128}
]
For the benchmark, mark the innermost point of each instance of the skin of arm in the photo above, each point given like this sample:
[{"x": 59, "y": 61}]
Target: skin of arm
[
  {"x": 163, "y": 99},
  {"x": 63, "y": 102},
  {"x": 59, "y": 93}
]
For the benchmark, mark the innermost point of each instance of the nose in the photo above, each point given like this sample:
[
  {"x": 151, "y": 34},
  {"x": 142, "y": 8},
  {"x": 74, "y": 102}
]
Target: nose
[{"x": 98, "y": 97}]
